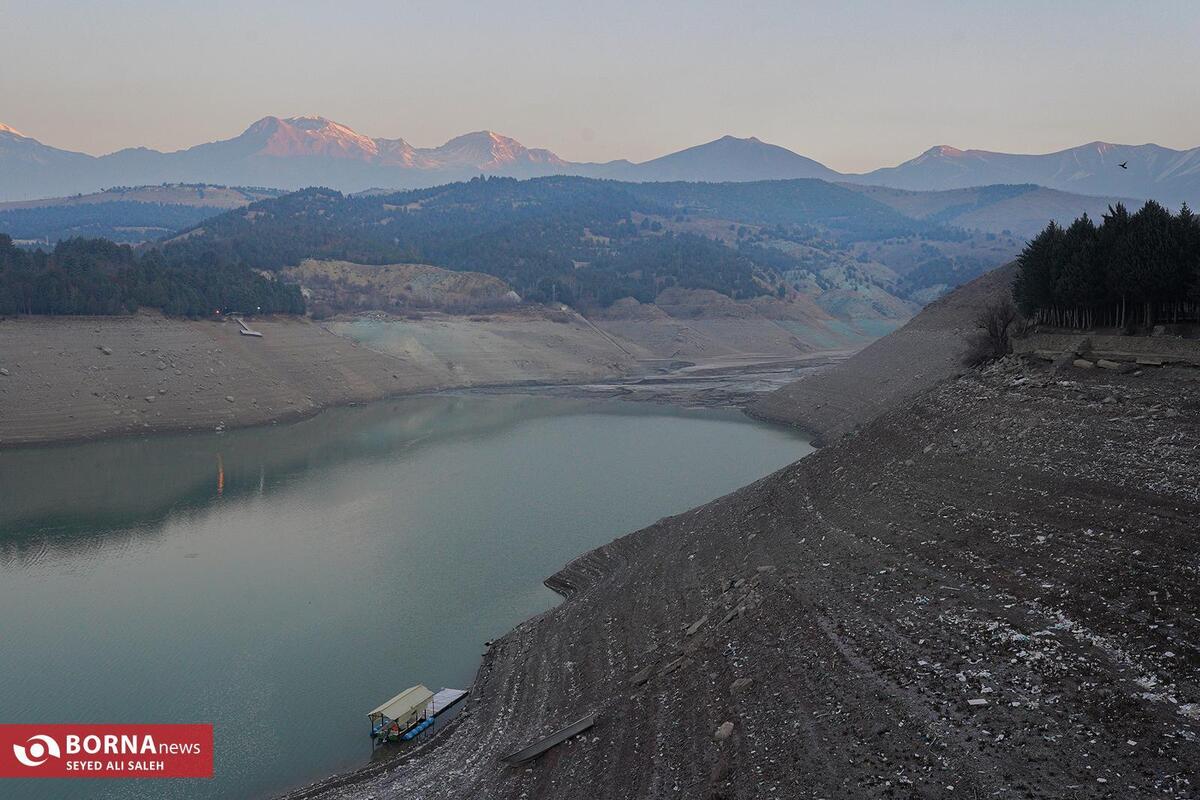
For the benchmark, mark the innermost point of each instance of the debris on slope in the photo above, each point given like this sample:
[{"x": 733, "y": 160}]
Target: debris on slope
[
  {"x": 989, "y": 592},
  {"x": 889, "y": 372}
]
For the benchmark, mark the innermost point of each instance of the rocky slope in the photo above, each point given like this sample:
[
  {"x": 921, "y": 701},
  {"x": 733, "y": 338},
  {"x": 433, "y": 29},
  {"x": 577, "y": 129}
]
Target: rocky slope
[
  {"x": 989, "y": 592},
  {"x": 700, "y": 324},
  {"x": 344, "y": 285},
  {"x": 890, "y": 371}
]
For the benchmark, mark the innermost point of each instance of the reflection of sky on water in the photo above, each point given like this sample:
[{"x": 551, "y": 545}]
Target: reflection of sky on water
[{"x": 221, "y": 577}]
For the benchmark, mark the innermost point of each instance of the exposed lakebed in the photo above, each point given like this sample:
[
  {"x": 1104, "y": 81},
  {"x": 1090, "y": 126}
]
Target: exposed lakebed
[{"x": 281, "y": 581}]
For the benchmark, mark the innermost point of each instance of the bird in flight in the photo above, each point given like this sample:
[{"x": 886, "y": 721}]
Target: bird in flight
[{"x": 1124, "y": 165}]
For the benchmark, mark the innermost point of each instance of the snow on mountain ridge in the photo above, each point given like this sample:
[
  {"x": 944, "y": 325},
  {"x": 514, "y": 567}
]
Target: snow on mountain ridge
[
  {"x": 486, "y": 150},
  {"x": 300, "y": 151},
  {"x": 310, "y": 136}
]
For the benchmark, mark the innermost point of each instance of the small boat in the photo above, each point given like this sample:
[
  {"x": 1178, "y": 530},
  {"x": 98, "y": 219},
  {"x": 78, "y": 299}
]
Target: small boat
[
  {"x": 545, "y": 743},
  {"x": 400, "y": 714},
  {"x": 245, "y": 329},
  {"x": 411, "y": 713}
]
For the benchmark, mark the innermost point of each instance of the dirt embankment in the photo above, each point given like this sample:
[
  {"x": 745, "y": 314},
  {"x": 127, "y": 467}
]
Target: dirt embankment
[
  {"x": 72, "y": 378},
  {"x": 343, "y": 285},
  {"x": 990, "y": 591},
  {"x": 890, "y": 371},
  {"x": 701, "y": 325},
  {"x": 76, "y": 378},
  {"x": 530, "y": 345}
]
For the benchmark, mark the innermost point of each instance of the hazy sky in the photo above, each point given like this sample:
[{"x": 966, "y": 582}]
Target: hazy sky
[{"x": 855, "y": 85}]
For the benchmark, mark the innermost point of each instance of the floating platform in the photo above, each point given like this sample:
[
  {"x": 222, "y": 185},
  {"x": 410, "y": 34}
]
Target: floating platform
[
  {"x": 411, "y": 712},
  {"x": 416, "y": 730},
  {"x": 443, "y": 700},
  {"x": 401, "y": 713}
]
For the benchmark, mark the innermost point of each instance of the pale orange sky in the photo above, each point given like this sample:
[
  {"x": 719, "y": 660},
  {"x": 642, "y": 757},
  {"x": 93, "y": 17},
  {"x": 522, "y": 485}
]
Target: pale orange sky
[{"x": 854, "y": 85}]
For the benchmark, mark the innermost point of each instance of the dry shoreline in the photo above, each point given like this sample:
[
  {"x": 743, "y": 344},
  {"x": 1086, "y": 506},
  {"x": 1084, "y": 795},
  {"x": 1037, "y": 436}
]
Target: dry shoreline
[
  {"x": 986, "y": 589},
  {"x": 74, "y": 379},
  {"x": 928, "y": 349},
  {"x": 80, "y": 379},
  {"x": 903, "y": 613},
  {"x": 1021, "y": 536},
  {"x": 77, "y": 379}
]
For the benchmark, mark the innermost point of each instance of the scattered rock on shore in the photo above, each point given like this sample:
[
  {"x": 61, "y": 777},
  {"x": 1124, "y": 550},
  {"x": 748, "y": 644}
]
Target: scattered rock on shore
[{"x": 995, "y": 616}]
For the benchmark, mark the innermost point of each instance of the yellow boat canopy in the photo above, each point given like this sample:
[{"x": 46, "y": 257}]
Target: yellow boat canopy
[{"x": 403, "y": 706}]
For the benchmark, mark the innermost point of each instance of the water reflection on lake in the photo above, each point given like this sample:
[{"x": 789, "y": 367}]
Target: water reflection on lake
[{"x": 281, "y": 581}]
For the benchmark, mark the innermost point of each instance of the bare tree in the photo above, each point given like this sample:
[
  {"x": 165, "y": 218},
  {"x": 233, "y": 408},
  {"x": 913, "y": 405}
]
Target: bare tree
[{"x": 990, "y": 340}]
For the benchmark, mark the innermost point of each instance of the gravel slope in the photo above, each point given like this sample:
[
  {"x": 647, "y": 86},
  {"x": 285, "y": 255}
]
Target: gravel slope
[
  {"x": 838, "y": 400},
  {"x": 1020, "y": 538}
]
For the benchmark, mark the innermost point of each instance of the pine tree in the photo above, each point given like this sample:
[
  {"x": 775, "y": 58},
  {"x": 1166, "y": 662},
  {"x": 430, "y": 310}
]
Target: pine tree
[{"x": 1080, "y": 286}]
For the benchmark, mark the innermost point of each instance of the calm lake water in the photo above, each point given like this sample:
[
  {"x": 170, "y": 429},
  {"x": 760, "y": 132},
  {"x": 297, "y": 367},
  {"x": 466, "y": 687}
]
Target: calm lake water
[{"x": 282, "y": 581}]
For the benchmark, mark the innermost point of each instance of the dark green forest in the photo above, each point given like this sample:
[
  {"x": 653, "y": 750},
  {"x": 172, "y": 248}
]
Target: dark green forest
[
  {"x": 1131, "y": 269},
  {"x": 120, "y": 221},
  {"x": 799, "y": 209},
  {"x": 576, "y": 240},
  {"x": 97, "y": 276},
  {"x": 579, "y": 241}
]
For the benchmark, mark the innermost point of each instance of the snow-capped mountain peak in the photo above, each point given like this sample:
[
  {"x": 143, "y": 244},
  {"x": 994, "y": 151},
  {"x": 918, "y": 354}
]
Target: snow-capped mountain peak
[
  {"x": 486, "y": 150},
  {"x": 309, "y": 136}
]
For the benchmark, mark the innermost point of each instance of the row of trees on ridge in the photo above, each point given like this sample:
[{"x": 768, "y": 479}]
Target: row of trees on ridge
[
  {"x": 1141, "y": 268},
  {"x": 96, "y": 276}
]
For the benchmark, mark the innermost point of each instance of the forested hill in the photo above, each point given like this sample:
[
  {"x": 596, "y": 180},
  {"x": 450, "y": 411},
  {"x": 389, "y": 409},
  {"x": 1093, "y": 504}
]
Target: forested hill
[
  {"x": 577, "y": 240},
  {"x": 97, "y": 276},
  {"x": 126, "y": 214},
  {"x": 119, "y": 221}
]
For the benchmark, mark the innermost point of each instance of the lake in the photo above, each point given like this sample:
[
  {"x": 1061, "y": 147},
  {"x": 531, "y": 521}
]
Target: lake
[{"x": 281, "y": 581}]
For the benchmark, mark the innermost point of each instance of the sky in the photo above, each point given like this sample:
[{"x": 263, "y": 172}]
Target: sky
[{"x": 855, "y": 85}]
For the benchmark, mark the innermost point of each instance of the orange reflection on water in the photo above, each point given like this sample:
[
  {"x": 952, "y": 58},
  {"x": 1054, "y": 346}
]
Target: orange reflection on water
[{"x": 220, "y": 475}]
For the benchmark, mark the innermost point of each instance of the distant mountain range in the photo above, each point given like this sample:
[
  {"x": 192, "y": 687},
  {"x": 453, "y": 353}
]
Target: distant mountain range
[
  {"x": 314, "y": 151},
  {"x": 145, "y": 213},
  {"x": 1151, "y": 171},
  {"x": 279, "y": 153}
]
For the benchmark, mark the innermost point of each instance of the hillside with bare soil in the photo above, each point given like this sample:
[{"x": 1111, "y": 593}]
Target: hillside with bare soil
[
  {"x": 67, "y": 378},
  {"x": 697, "y": 324},
  {"x": 346, "y": 286},
  {"x": 989, "y": 592},
  {"x": 839, "y": 399}
]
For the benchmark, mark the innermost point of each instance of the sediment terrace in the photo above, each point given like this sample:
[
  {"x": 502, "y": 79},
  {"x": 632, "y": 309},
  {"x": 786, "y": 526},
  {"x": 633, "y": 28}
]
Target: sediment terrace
[
  {"x": 77, "y": 378},
  {"x": 990, "y": 591},
  {"x": 891, "y": 370},
  {"x": 65, "y": 378}
]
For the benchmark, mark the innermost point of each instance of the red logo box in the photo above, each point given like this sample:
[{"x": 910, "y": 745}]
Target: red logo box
[{"x": 106, "y": 751}]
